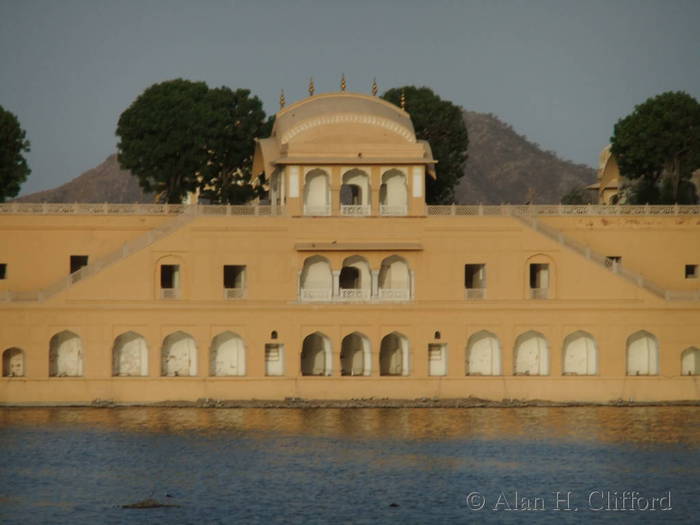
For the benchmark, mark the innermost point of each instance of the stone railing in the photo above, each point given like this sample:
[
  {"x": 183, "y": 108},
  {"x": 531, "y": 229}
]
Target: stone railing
[
  {"x": 318, "y": 210},
  {"x": 560, "y": 209},
  {"x": 22, "y": 208},
  {"x": 232, "y": 294},
  {"x": 393, "y": 210},
  {"x": 169, "y": 293},
  {"x": 474, "y": 293},
  {"x": 394, "y": 294},
  {"x": 539, "y": 293},
  {"x": 355, "y": 210},
  {"x": 354, "y": 294}
]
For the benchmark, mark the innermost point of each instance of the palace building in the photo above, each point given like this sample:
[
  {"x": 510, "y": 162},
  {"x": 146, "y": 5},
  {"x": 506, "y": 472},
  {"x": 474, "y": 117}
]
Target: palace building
[{"x": 347, "y": 285}]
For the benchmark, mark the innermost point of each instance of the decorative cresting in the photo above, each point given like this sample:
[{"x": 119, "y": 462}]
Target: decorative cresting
[
  {"x": 282, "y": 100},
  {"x": 343, "y": 83},
  {"x": 349, "y": 118},
  {"x": 375, "y": 89},
  {"x": 312, "y": 88},
  {"x": 403, "y": 100}
]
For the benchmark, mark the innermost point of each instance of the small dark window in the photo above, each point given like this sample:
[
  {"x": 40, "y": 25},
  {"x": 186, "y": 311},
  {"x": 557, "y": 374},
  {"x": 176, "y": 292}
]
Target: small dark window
[
  {"x": 437, "y": 335},
  {"x": 474, "y": 276},
  {"x": 234, "y": 276},
  {"x": 350, "y": 194},
  {"x": 273, "y": 334},
  {"x": 349, "y": 278},
  {"x": 77, "y": 262},
  {"x": 3, "y": 271},
  {"x": 169, "y": 276},
  {"x": 691, "y": 271},
  {"x": 539, "y": 276},
  {"x": 611, "y": 260}
]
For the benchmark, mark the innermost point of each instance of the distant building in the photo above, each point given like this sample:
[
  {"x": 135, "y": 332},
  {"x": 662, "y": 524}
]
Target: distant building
[{"x": 348, "y": 286}]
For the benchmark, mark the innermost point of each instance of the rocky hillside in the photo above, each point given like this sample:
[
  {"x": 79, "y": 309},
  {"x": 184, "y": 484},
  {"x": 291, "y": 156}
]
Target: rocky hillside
[
  {"x": 503, "y": 167},
  {"x": 105, "y": 183}
]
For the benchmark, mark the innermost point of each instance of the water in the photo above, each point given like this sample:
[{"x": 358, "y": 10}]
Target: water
[{"x": 80, "y": 465}]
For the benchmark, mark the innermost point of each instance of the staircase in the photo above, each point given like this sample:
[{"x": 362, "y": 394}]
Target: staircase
[
  {"x": 585, "y": 250},
  {"x": 130, "y": 247}
]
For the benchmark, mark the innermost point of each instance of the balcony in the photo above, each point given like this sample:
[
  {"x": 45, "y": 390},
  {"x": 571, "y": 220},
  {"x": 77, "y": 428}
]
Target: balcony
[
  {"x": 317, "y": 210},
  {"x": 312, "y": 295},
  {"x": 353, "y": 294},
  {"x": 394, "y": 294},
  {"x": 232, "y": 294},
  {"x": 539, "y": 293},
  {"x": 474, "y": 293},
  {"x": 169, "y": 293},
  {"x": 355, "y": 210},
  {"x": 395, "y": 210}
]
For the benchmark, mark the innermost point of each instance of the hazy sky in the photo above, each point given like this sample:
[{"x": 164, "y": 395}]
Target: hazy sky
[{"x": 560, "y": 72}]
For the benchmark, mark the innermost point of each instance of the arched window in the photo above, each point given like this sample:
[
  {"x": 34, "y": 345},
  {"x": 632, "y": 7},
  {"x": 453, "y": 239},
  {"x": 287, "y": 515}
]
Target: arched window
[
  {"x": 355, "y": 355},
  {"x": 580, "y": 355},
  {"x": 317, "y": 193},
  {"x": 179, "y": 355},
  {"x": 393, "y": 355},
  {"x": 690, "y": 362},
  {"x": 227, "y": 355},
  {"x": 642, "y": 354},
  {"x": 130, "y": 355},
  {"x": 354, "y": 193},
  {"x": 316, "y": 279},
  {"x": 355, "y": 279},
  {"x": 316, "y": 357},
  {"x": 393, "y": 194},
  {"x": 13, "y": 363},
  {"x": 483, "y": 355},
  {"x": 531, "y": 355},
  {"x": 394, "y": 279},
  {"x": 65, "y": 355}
]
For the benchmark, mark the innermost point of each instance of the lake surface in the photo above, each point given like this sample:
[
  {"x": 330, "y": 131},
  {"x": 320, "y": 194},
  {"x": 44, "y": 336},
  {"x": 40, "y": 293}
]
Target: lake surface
[{"x": 80, "y": 465}]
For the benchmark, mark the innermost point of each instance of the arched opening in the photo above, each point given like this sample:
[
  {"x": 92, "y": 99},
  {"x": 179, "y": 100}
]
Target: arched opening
[
  {"x": 483, "y": 355},
  {"x": 317, "y": 193},
  {"x": 580, "y": 354},
  {"x": 531, "y": 355},
  {"x": 540, "y": 277},
  {"x": 355, "y": 279},
  {"x": 354, "y": 193},
  {"x": 393, "y": 355},
  {"x": 316, "y": 357},
  {"x": 355, "y": 355},
  {"x": 690, "y": 362},
  {"x": 642, "y": 354},
  {"x": 394, "y": 279},
  {"x": 179, "y": 355},
  {"x": 130, "y": 355},
  {"x": 227, "y": 355},
  {"x": 65, "y": 355},
  {"x": 13, "y": 363},
  {"x": 316, "y": 279},
  {"x": 393, "y": 193}
]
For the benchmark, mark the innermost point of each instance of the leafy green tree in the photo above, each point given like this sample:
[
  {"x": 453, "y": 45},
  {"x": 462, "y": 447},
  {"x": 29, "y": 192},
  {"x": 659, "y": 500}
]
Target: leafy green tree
[
  {"x": 179, "y": 136},
  {"x": 441, "y": 123},
  {"x": 657, "y": 148},
  {"x": 577, "y": 195},
  {"x": 13, "y": 165}
]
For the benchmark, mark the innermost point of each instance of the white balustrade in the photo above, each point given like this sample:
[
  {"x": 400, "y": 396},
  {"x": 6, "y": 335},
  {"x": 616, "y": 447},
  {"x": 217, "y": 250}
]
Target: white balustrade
[
  {"x": 309, "y": 295},
  {"x": 354, "y": 294},
  {"x": 233, "y": 293},
  {"x": 169, "y": 293},
  {"x": 393, "y": 210},
  {"x": 394, "y": 294},
  {"x": 539, "y": 293},
  {"x": 355, "y": 210},
  {"x": 475, "y": 293},
  {"x": 317, "y": 210}
]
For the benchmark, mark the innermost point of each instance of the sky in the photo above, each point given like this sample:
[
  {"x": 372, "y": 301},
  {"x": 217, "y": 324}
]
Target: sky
[{"x": 560, "y": 72}]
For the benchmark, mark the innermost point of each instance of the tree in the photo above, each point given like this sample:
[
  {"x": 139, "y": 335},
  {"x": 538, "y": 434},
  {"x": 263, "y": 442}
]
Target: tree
[
  {"x": 577, "y": 195},
  {"x": 441, "y": 123},
  {"x": 13, "y": 166},
  {"x": 657, "y": 147},
  {"x": 179, "y": 136}
]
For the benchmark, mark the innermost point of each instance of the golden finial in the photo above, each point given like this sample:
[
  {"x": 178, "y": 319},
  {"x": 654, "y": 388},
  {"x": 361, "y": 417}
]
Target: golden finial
[
  {"x": 343, "y": 84},
  {"x": 282, "y": 101},
  {"x": 312, "y": 88},
  {"x": 403, "y": 100},
  {"x": 374, "y": 87}
]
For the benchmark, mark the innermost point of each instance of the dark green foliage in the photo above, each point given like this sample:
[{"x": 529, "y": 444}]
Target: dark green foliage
[
  {"x": 441, "y": 123},
  {"x": 657, "y": 148},
  {"x": 179, "y": 135},
  {"x": 13, "y": 166},
  {"x": 577, "y": 195}
]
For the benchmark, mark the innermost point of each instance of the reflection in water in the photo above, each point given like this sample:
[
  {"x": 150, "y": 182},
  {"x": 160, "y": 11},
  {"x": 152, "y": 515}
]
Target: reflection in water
[
  {"x": 607, "y": 424},
  {"x": 79, "y": 465}
]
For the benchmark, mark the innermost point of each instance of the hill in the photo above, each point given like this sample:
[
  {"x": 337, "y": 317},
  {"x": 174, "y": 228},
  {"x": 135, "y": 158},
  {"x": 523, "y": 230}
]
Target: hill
[{"x": 503, "y": 167}]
